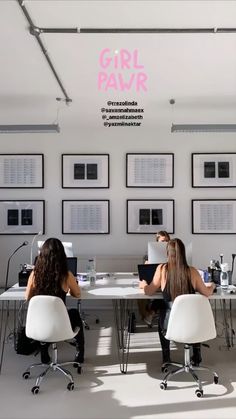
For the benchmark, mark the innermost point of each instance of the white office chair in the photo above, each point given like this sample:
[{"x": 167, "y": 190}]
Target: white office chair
[
  {"x": 47, "y": 321},
  {"x": 191, "y": 320}
]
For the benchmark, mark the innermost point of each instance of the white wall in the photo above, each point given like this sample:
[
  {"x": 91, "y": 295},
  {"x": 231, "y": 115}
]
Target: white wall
[{"x": 117, "y": 242}]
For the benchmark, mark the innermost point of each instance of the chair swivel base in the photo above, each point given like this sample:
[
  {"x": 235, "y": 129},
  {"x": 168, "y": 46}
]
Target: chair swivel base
[
  {"x": 188, "y": 368},
  {"x": 53, "y": 366}
]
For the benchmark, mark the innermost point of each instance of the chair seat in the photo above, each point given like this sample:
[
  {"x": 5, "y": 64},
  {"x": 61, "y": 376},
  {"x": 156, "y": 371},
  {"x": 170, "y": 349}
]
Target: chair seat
[
  {"x": 48, "y": 321},
  {"x": 191, "y": 321}
]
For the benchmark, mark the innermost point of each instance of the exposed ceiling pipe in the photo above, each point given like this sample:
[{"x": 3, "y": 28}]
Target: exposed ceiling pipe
[
  {"x": 157, "y": 30},
  {"x": 135, "y": 30},
  {"x": 36, "y": 32}
]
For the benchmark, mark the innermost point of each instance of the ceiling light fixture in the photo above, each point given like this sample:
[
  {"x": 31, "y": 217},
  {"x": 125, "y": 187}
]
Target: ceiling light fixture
[
  {"x": 29, "y": 128},
  {"x": 203, "y": 128}
]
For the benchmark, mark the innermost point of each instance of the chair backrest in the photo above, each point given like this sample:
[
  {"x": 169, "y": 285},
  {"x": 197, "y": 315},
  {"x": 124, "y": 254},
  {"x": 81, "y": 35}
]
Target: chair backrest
[
  {"x": 47, "y": 319},
  {"x": 191, "y": 319}
]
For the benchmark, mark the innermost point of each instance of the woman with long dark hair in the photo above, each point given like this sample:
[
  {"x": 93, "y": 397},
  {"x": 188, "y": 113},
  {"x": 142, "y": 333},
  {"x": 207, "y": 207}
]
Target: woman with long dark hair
[
  {"x": 51, "y": 277},
  {"x": 175, "y": 278}
]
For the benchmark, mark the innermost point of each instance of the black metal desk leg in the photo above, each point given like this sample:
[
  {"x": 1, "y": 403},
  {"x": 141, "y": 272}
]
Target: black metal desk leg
[
  {"x": 226, "y": 325},
  {"x": 4, "y": 323},
  {"x": 232, "y": 332},
  {"x": 121, "y": 317}
]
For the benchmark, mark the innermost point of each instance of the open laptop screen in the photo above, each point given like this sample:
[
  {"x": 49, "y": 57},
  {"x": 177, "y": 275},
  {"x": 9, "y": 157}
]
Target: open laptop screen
[
  {"x": 72, "y": 265},
  {"x": 147, "y": 271},
  {"x": 157, "y": 252}
]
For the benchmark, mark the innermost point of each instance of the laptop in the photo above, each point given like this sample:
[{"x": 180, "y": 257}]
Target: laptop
[
  {"x": 157, "y": 252},
  {"x": 147, "y": 271},
  {"x": 72, "y": 265}
]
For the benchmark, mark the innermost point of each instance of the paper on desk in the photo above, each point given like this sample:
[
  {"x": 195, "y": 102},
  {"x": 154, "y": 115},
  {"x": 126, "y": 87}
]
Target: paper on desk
[{"x": 122, "y": 291}]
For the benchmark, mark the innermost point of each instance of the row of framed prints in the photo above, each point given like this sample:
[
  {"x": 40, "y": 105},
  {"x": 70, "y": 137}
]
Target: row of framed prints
[
  {"x": 209, "y": 216},
  {"x": 143, "y": 170}
]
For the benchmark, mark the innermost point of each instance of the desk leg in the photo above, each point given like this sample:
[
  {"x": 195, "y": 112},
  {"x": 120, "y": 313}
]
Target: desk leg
[
  {"x": 4, "y": 322},
  {"x": 228, "y": 324},
  {"x": 122, "y": 320},
  {"x": 231, "y": 323}
]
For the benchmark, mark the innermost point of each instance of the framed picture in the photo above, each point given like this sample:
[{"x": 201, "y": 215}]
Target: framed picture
[
  {"x": 150, "y": 170},
  {"x": 21, "y": 170},
  {"x": 86, "y": 216},
  {"x": 214, "y": 216},
  {"x": 85, "y": 170},
  {"x": 149, "y": 216},
  {"x": 22, "y": 217},
  {"x": 216, "y": 170}
]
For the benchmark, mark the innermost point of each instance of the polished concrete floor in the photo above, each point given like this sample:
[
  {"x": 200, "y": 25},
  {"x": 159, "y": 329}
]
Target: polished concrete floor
[{"x": 103, "y": 392}]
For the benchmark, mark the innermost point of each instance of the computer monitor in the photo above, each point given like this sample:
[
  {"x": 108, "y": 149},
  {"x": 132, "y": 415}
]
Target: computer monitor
[
  {"x": 157, "y": 252},
  {"x": 68, "y": 249},
  {"x": 39, "y": 244},
  {"x": 67, "y": 246}
]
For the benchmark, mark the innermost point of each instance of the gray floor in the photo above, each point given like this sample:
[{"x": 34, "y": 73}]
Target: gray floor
[{"x": 103, "y": 392}]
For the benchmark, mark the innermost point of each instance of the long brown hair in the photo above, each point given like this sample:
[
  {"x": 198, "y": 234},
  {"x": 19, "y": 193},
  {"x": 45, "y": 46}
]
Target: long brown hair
[
  {"x": 51, "y": 268},
  {"x": 178, "y": 275}
]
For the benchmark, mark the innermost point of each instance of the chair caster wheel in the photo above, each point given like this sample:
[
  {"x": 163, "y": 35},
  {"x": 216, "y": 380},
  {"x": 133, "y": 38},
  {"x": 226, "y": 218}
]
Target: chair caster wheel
[
  {"x": 97, "y": 321},
  {"x": 79, "y": 369},
  {"x": 70, "y": 386},
  {"x": 163, "y": 385},
  {"x": 199, "y": 393},
  {"x": 216, "y": 379},
  {"x": 164, "y": 368},
  {"x": 26, "y": 375},
  {"x": 35, "y": 389}
]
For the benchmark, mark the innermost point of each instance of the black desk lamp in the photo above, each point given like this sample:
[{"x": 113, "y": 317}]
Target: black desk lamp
[{"x": 8, "y": 262}]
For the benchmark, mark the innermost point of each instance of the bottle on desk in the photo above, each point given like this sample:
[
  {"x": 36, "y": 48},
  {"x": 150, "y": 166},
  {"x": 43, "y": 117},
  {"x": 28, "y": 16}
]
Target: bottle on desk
[
  {"x": 224, "y": 276},
  {"x": 91, "y": 272}
]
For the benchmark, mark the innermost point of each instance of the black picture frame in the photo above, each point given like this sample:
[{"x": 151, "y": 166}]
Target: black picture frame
[
  {"x": 86, "y": 216},
  {"x": 213, "y": 216},
  {"x": 213, "y": 170},
  {"x": 21, "y": 171},
  {"x": 85, "y": 171},
  {"x": 147, "y": 216},
  {"x": 22, "y": 217},
  {"x": 149, "y": 170}
]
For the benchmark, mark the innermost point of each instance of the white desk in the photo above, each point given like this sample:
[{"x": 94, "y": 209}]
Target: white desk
[{"x": 122, "y": 289}]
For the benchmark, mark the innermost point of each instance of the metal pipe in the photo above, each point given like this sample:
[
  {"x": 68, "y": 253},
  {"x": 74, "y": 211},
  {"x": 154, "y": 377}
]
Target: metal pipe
[
  {"x": 157, "y": 30},
  {"x": 135, "y": 30},
  {"x": 35, "y": 31},
  {"x": 58, "y": 30}
]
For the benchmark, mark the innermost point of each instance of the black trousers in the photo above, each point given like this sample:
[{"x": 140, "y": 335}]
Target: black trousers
[{"x": 76, "y": 321}]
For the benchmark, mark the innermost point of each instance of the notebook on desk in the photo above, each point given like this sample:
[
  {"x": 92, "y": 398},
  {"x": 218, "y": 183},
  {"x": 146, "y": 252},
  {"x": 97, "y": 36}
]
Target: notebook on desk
[{"x": 147, "y": 271}]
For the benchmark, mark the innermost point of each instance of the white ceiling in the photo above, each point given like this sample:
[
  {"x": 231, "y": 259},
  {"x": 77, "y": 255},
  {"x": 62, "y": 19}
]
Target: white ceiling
[{"x": 198, "y": 70}]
